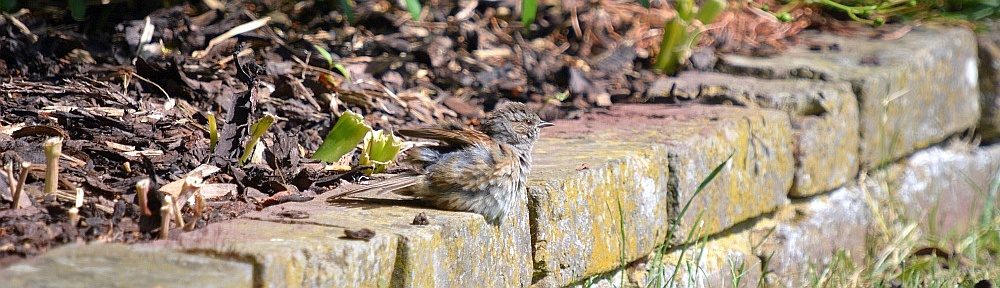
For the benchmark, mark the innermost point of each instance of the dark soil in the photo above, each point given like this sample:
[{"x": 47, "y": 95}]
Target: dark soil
[{"x": 92, "y": 83}]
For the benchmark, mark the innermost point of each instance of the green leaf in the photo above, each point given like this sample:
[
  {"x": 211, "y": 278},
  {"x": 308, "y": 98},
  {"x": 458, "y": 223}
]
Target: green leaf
[
  {"x": 561, "y": 96},
  {"x": 978, "y": 11},
  {"x": 644, "y": 3},
  {"x": 710, "y": 10},
  {"x": 379, "y": 150},
  {"x": 345, "y": 135},
  {"x": 77, "y": 9},
  {"x": 413, "y": 6},
  {"x": 529, "y": 9},
  {"x": 257, "y": 130}
]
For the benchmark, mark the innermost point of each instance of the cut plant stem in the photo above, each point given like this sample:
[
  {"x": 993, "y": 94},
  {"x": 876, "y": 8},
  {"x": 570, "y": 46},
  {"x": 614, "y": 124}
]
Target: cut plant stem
[
  {"x": 53, "y": 150},
  {"x": 74, "y": 216},
  {"x": 25, "y": 168},
  {"x": 165, "y": 212},
  {"x": 142, "y": 192},
  {"x": 8, "y": 170},
  {"x": 199, "y": 206},
  {"x": 79, "y": 198}
]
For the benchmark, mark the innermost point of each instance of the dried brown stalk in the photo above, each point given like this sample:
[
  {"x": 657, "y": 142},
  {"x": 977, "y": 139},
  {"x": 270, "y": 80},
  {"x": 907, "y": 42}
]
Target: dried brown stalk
[
  {"x": 165, "y": 212},
  {"x": 142, "y": 192},
  {"x": 53, "y": 149},
  {"x": 25, "y": 168}
]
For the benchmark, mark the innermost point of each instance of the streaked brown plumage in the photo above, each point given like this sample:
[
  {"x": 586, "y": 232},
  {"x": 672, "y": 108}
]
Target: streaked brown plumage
[{"x": 473, "y": 170}]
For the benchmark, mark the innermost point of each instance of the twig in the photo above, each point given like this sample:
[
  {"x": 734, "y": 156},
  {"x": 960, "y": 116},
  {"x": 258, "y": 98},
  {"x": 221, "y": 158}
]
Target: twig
[{"x": 154, "y": 84}]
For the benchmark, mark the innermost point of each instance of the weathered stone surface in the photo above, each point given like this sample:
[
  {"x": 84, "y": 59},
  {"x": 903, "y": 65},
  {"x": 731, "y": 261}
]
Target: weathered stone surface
[
  {"x": 651, "y": 158},
  {"x": 711, "y": 263},
  {"x": 803, "y": 238},
  {"x": 946, "y": 190},
  {"x": 989, "y": 80},
  {"x": 457, "y": 249},
  {"x": 116, "y": 265},
  {"x": 942, "y": 190},
  {"x": 912, "y": 92},
  {"x": 576, "y": 225},
  {"x": 824, "y": 117},
  {"x": 294, "y": 255}
]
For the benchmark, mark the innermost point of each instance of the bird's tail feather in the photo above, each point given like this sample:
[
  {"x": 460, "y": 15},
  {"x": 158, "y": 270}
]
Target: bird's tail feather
[{"x": 387, "y": 185}]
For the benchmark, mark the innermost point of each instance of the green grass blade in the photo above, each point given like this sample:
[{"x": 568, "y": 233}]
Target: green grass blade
[
  {"x": 345, "y": 135},
  {"x": 257, "y": 130},
  {"x": 529, "y": 9},
  {"x": 413, "y": 6}
]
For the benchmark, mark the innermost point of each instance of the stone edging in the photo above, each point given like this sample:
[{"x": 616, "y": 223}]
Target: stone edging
[{"x": 801, "y": 124}]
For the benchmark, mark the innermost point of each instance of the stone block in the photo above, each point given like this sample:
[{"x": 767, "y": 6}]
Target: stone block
[
  {"x": 988, "y": 41},
  {"x": 912, "y": 92},
  {"x": 456, "y": 249},
  {"x": 296, "y": 255},
  {"x": 117, "y": 265},
  {"x": 946, "y": 190},
  {"x": 803, "y": 238},
  {"x": 824, "y": 118},
  {"x": 651, "y": 158}
]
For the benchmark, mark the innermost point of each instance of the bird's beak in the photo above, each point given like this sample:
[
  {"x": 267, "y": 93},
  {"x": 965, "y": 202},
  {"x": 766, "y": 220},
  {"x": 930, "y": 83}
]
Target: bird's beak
[{"x": 545, "y": 124}]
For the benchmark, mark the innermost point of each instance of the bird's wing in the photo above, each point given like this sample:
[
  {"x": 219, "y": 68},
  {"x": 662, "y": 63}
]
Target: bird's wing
[
  {"x": 476, "y": 168},
  {"x": 392, "y": 184},
  {"x": 453, "y": 137}
]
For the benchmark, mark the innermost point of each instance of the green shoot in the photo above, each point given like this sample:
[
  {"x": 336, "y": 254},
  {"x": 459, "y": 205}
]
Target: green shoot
[
  {"x": 77, "y": 9},
  {"x": 8, "y": 5},
  {"x": 710, "y": 10},
  {"x": 343, "y": 71},
  {"x": 413, "y": 6},
  {"x": 379, "y": 150},
  {"x": 331, "y": 64},
  {"x": 325, "y": 54},
  {"x": 347, "y": 6},
  {"x": 529, "y": 9},
  {"x": 257, "y": 130},
  {"x": 213, "y": 131},
  {"x": 349, "y": 130},
  {"x": 679, "y": 33}
]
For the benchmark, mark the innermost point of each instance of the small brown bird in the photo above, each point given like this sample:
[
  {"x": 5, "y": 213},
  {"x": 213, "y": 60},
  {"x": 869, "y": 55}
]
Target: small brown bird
[{"x": 474, "y": 171}]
